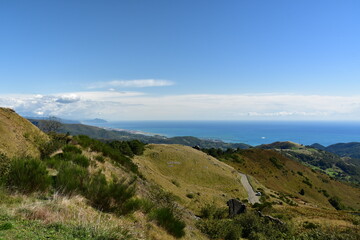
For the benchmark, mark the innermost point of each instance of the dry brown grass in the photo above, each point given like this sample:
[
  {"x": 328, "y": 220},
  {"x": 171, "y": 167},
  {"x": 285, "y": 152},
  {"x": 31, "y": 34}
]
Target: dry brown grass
[
  {"x": 183, "y": 170},
  {"x": 18, "y": 137},
  {"x": 286, "y": 180}
]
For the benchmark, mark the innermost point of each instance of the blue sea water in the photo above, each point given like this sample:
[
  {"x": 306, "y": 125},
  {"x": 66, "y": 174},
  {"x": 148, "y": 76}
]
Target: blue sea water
[{"x": 253, "y": 133}]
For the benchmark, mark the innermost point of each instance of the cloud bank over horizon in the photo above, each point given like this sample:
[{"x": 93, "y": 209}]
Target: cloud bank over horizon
[
  {"x": 117, "y": 106},
  {"x": 139, "y": 83}
]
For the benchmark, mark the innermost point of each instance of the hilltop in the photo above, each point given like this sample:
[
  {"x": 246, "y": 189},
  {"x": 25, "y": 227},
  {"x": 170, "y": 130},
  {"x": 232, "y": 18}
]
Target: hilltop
[{"x": 18, "y": 137}]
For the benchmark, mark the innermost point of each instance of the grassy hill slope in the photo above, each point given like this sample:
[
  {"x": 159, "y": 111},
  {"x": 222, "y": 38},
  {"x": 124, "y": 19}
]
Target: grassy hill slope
[
  {"x": 18, "y": 137},
  {"x": 341, "y": 168},
  {"x": 288, "y": 177},
  {"x": 193, "y": 176}
]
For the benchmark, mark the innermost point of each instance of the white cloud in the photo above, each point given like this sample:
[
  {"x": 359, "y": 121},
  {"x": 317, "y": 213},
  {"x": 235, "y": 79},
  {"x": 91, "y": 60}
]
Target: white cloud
[
  {"x": 140, "y": 83},
  {"x": 113, "y": 105}
]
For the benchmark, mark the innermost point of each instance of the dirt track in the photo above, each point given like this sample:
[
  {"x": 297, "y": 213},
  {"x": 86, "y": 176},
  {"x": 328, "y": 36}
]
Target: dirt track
[{"x": 251, "y": 194}]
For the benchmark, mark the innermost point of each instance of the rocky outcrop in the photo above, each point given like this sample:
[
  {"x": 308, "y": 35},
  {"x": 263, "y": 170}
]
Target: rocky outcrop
[
  {"x": 235, "y": 207},
  {"x": 271, "y": 219}
]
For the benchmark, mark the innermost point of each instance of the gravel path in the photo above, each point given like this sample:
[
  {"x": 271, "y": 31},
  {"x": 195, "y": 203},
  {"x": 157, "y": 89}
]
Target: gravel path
[{"x": 251, "y": 194}]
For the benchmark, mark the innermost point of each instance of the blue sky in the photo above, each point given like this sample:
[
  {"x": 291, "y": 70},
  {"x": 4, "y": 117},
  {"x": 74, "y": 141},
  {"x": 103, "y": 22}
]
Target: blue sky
[{"x": 162, "y": 59}]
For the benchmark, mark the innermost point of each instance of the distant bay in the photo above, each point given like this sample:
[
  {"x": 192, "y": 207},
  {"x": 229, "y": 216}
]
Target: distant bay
[{"x": 249, "y": 132}]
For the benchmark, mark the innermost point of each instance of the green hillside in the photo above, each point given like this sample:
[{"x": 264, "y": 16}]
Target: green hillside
[
  {"x": 286, "y": 176},
  {"x": 341, "y": 168}
]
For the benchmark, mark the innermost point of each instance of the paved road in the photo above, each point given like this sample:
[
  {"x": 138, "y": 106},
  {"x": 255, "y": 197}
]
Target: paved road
[{"x": 251, "y": 194}]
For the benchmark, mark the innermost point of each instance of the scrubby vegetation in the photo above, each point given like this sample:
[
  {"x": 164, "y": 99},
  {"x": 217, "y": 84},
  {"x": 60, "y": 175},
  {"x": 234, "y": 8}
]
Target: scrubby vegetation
[
  {"x": 65, "y": 169},
  {"x": 82, "y": 188},
  {"x": 27, "y": 175},
  {"x": 117, "y": 154},
  {"x": 165, "y": 218}
]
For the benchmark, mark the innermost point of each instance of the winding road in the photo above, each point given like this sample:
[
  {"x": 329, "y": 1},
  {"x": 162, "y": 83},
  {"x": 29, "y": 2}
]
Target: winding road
[{"x": 251, "y": 193}]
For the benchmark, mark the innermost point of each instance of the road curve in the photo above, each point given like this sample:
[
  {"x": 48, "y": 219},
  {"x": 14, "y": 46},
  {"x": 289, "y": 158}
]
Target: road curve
[{"x": 251, "y": 194}]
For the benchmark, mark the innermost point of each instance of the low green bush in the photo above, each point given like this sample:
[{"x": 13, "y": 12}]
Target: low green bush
[
  {"x": 81, "y": 160},
  {"x": 6, "y": 226},
  {"x": 107, "y": 151},
  {"x": 219, "y": 229},
  {"x": 248, "y": 225},
  {"x": 276, "y": 162},
  {"x": 71, "y": 149},
  {"x": 165, "y": 218},
  {"x": 336, "y": 203},
  {"x": 4, "y": 167},
  {"x": 211, "y": 211},
  {"x": 109, "y": 196},
  {"x": 310, "y": 225},
  {"x": 130, "y": 206},
  {"x": 71, "y": 179},
  {"x": 190, "y": 195},
  {"x": 57, "y": 142},
  {"x": 28, "y": 175},
  {"x": 76, "y": 158},
  {"x": 100, "y": 158},
  {"x": 262, "y": 206}
]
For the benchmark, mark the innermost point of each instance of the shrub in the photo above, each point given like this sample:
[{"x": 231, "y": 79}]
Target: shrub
[
  {"x": 211, "y": 211},
  {"x": 76, "y": 158},
  {"x": 109, "y": 196},
  {"x": 100, "y": 158},
  {"x": 121, "y": 191},
  {"x": 252, "y": 223},
  {"x": 81, "y": 160},
  {"x": 166, "y": 219},
  {"x": 107, "y": 151},
  {"x": 131, "y": 205},
  {"x": 71, "y": 149},
  {"x": 137, "y": 147},
  {"x": 302, "y": 192},
  {"x": 335, "y": 202},
  {"x": 4, "y": 167},
  {"x": 6, "y": 226},
  {"x": 176, "y": 183},
  {"x": 56, "y": 142},
  {"x": 262, "y": 206},
  {"x": 310, "y": 225},
  {"x": 324, "y": 192},
  {"x": 307, "y": 182},
  {"x": 217, "y": 229},
  {"x": 190, "y": 195},
  {"x": 97, "y": 191},
  {"x": 72, "y": 179},
  {"x": 276, "y": 162},
  {"x": 28, "y": 175}
]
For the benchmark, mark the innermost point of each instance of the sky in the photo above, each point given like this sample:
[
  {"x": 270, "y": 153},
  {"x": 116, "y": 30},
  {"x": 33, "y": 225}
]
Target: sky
[{"x": 181, "y": 60}]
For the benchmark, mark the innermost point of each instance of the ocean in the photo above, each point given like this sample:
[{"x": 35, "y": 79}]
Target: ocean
[{"x": 249, "y": 132}]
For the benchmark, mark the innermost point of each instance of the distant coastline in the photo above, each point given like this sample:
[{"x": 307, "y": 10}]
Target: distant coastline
[{"x": 252, "y": 133}]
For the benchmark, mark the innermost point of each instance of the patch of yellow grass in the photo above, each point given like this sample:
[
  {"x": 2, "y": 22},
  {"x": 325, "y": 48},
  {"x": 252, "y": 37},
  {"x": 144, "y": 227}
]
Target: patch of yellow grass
[
  {"x": 19, "y": 137},
  {"x": 185, "y": 171}
]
